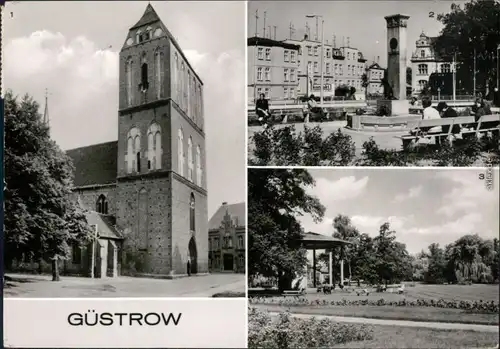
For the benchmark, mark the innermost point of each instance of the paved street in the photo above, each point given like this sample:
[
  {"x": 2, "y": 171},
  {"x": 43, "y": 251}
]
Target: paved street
[{"x": 36, "y": 286}]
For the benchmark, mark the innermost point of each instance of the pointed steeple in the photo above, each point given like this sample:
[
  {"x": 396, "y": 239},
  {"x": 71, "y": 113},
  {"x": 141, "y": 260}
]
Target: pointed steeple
[
  {"x": 149, "y": 16},
  {"x": 46, "y": 119}
]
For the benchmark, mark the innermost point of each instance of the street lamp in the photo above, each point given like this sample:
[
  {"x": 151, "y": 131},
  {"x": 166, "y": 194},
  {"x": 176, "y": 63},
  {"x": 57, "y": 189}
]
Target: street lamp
[{"x": 322, "y": 56}]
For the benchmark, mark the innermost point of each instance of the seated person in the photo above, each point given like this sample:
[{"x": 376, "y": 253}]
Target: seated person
[
  {"x": 447, "y": 112},
  {"x": 481, "y": 108},
  {"x": 314, "y": 108},
  {"x": 430, "y": 112},
  {"x": 262, "y": 109}
]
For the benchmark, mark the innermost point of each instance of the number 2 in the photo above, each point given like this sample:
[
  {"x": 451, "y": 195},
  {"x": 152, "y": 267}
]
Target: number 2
[{"x": 431, "y": 14}]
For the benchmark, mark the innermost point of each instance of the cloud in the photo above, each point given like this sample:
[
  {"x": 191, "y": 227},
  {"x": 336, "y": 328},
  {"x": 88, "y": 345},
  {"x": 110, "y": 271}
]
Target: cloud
[
  {"x": 468, "y": 193},
  {"x": 82, "y": 80},
  {"x": 371, "y": 224},
  {"x": 344, "y": 188},
  {"x": 411, "y": 194}
]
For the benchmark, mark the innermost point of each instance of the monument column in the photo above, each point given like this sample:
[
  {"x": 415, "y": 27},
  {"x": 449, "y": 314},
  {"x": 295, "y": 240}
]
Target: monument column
[{"x": 396, "y": 54}]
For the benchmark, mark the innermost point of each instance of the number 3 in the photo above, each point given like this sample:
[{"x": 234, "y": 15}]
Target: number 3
[{"x": 481, "y": 176}]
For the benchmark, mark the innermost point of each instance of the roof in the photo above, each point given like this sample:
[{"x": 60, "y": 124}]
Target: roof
[
  {"x": 318, "y": 241},
  {"x": 106, "y": 225},
  {"x": 375, "y": 66},
  {"x": 235, "y": 211},
  {"x": 94, "y": 164},
  {"x": 149, "y": 16},
  {"x": 254, "y": 41}
]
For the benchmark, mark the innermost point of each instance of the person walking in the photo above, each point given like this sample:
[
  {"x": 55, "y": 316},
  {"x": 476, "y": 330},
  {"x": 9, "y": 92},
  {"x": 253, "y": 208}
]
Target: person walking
[{"x": 262, "y": 109}]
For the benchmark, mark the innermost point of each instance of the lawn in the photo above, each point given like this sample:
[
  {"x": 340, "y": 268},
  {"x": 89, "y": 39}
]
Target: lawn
[
  {"x": 409, "y": 337},
  {"x": 426, "y": 314}
]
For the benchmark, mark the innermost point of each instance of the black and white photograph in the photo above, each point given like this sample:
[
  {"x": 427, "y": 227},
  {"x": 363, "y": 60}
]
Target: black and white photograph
[
  {"x": 373, "y": 258},
  {"x": 373, "y": 83},
  {"x": 124, "y": 149}
]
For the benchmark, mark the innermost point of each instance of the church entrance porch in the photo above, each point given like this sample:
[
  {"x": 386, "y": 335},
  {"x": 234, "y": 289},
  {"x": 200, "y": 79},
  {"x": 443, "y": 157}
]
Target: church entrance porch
[
  {"x": 192, "y": 257},
  {"x": 228, "y": 262}
]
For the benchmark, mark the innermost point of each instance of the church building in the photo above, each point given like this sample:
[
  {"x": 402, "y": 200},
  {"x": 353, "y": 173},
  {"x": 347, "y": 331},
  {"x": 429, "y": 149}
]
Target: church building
[{"x": 146, "y": 192}]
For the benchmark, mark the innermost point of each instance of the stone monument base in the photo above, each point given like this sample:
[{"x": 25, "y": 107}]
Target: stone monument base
[{"x": 395, "y": 107}]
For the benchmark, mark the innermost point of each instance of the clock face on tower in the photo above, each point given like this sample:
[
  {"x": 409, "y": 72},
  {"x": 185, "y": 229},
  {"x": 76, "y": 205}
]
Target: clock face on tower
[{"x": 393, "y": 44}]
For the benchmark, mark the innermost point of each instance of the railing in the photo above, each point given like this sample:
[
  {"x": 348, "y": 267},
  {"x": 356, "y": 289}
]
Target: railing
[{"x": 450, "y": 98}]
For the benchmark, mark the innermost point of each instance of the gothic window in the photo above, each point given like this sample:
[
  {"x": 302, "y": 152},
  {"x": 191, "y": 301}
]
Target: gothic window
[
  {"x": 154, "y": 147},
  {"x": 128, "y": 73},
  {"x": 144, "y": 74},
  {"x": 192, "y": 225},
  {"x": 132, "y": 156},
  {"x": 176, "y": 76},
  {"x": 180, "y": 154},
  {"x": 182, "y": 82},
  {"x": 198, "y": 166},
  {"x": 102, "y": 205},
  {"x": 189, "y": 109},
  {"x": 160, "y": 73},
  {"x": 190, "y": 159},
  {"x": 240, "y": 242},
  {"x": 138, "y": 36},
  {"x": 148, "y": 34}
]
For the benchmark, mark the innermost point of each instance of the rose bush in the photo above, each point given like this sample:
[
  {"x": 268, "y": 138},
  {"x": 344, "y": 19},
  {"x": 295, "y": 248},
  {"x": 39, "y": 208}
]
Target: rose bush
[
  {"x": 285, "y": 331},
  {"x": 472, "y": 306}
]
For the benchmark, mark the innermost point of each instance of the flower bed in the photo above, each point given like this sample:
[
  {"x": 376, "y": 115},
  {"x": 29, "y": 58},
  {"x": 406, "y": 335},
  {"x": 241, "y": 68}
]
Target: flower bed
[
  {"x": 286, "y": 331},
  {"x": 470, "y": 306}
]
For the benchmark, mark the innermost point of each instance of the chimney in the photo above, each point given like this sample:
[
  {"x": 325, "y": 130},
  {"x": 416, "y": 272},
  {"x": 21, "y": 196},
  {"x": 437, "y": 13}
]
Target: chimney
[
  {"x": 224, "y": 203},
  {"x": 305, "y": 37},
  {"x": 378, "y": 59}
]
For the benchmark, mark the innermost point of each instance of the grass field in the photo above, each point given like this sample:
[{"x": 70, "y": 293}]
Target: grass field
[
  {"x": 426, "y": 314},
  {"x": 408, "y": 337},
  {"x": 478, "y": 292},
  {"x": 447, "y": 292}
]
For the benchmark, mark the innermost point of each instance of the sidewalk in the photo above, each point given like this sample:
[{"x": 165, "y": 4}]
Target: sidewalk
[{"x": 403, "y": 323}]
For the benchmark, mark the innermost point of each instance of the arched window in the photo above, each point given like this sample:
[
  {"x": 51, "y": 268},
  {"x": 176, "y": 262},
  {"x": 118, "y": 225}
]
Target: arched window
[
  {"x": 192, "y": 223},
  {"x": 154, "y": 147},
  {"x": 138, "y": 36},
  {"x": 180, "y": 152},
  {"x": 182, "y": 82},
  {"x": 102, "y": 205},
  {"x": 198, "y": 165},
  {"x": 190, "y": 159},
  {"x": 189, "y": 108},
  {"x": 128, "y": 73},
  {"x": 133, "y": 156},
  {"x": 422, "y": 53},
  {"x": 144, "y": 73},
  {"x": 159, "y": 71},
  {"x": 176, "y": 77}
]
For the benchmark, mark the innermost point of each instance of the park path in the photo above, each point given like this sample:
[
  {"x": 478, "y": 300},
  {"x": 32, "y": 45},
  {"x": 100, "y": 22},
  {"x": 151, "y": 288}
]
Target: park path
[{"x": 403, "y": 323}]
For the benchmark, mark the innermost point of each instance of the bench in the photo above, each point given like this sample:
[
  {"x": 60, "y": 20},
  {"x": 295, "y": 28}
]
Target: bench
[
  {"x": 294, "y": 293},
  {"x": 486, "y": 123},
  {"x": 422, "y": 129}
]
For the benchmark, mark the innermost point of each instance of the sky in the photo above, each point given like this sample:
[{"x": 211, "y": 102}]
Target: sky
[
  {"x": 71, "y": 49},
  {"x": 423, "y": 206},
  {"x": 362, "y": 21}
]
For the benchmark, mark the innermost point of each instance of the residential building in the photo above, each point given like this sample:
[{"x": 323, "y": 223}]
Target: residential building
[
  {"x": 272, "y": 69},
  {"x": 227, "y": 239},
  {"x": 425, "y": 61},
  {"x": 375, "y": 74}
]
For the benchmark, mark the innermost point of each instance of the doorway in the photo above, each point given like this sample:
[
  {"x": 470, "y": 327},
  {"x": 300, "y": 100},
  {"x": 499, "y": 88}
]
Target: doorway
[
  {"x": 228, "y": 262},
  {"x": 193, "y": 256}
]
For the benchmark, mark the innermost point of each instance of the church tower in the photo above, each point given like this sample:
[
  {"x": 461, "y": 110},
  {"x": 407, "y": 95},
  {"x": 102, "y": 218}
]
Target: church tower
[{"x": 161, "y": 182}]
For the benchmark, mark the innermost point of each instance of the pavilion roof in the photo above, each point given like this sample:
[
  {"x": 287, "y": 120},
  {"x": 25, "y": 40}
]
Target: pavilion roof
[{"x": 317, "y": 241}]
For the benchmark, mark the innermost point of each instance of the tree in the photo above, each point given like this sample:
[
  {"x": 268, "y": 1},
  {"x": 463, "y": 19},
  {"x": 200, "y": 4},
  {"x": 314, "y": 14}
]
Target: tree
[
  {"x": 471, "y": 31},
  {"x": 437, "y": 265},
  {"x": 41, "y": 220},
  {"x": 344, "y": 230},
  {"x": 275, "y": 199}
]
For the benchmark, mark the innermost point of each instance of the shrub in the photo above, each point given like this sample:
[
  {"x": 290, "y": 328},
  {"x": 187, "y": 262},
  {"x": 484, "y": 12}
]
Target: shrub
[
  {"x": 471, "y": 306},
  {"x": 283, "y": 147},
  {"x": 288, "y": 332}
]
